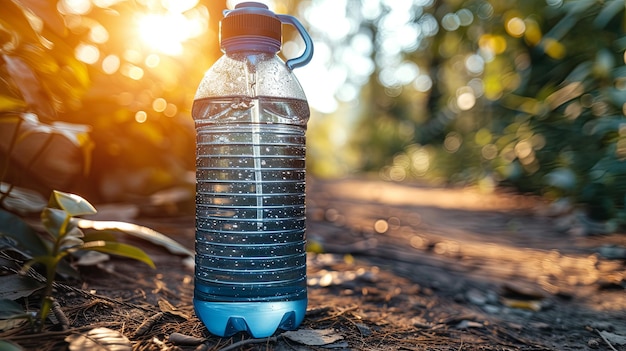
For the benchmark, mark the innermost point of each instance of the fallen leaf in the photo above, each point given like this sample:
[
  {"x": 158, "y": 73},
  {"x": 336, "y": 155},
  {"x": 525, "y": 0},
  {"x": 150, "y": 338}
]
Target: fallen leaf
[
  {"x": 99, "y": 339},
  {"x": 12, "y": 315},
  {"x": 167, "y": 307},
  {"x": 8, "y": 324},
  {"x": 22, "y": 200},
  {"x": 313, "y": 337},
  {"x": 16, "y": 286},
  {"x": 50, "y": 156}
]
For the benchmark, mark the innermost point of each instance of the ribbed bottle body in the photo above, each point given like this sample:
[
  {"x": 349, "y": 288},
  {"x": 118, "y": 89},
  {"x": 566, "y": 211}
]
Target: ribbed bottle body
[{"x": 250, "y": 214}]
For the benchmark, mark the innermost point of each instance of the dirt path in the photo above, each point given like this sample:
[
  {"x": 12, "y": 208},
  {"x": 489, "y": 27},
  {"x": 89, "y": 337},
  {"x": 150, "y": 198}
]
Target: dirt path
[
  {"x": 397, "y": 267},
  {"x": 497, "y": 258}
]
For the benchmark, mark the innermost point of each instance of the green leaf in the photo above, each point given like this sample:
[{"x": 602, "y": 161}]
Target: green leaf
[
  {"x": 70, "y": 241},
  {"x": 610, "y": 165},
  {"x": 73, "y": 204},
  {"x": 16, "y": 286},
  {"x": 8, "y": 308},
  {"x": 137, "y": 231},
  {"x": 610, "y": 10},
  {"x": 46, "y": 260},
  {"x": 617, "y": 96},
  {"x": 105, "y": 235},
  {"x": 54, "y": 220},
  {"x": 119, "y": 249},
  {"x": 46, "y": 306},
  {"x": 607, "y": 124},
  {"x": 24, "y": 238},
  {"x": 9, "y": 346},
  {"x": 62, "y": 266},
  {"x": 562, "y": 178}
]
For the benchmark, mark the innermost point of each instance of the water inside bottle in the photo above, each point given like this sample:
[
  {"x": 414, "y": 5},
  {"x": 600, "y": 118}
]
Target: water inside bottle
[{"x": 250, "y": 208}]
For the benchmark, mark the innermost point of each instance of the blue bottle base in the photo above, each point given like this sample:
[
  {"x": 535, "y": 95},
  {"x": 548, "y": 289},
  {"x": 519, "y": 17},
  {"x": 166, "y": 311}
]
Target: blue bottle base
[{"x": 259, "y": 319}]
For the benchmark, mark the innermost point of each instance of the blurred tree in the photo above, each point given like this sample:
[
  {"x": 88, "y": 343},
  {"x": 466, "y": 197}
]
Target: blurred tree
[
  {"x": 95, "y": 95},
  {"x": 38, "y": 80},
  {"x": 492, "y": 92}
]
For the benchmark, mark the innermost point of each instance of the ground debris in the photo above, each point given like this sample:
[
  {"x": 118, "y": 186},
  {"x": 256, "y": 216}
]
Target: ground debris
[
  {"x": 313, "y": 337},
  {"x": 402, "y": 269},
  {"x": 185, "y": 340},
  {"x": 99, "y": 339}
]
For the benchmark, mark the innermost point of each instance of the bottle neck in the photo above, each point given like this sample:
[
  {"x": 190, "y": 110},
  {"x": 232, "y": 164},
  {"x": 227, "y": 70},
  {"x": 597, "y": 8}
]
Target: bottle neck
[{"x": 251, "y": 43}]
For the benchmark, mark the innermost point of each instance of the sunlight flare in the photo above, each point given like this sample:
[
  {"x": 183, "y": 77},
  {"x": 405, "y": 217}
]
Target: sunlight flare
[{"x": 166, "y": 32}]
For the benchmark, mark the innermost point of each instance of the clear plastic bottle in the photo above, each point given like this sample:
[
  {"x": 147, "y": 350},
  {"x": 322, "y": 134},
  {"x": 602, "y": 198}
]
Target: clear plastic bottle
[{"x": 250, "y": 114}]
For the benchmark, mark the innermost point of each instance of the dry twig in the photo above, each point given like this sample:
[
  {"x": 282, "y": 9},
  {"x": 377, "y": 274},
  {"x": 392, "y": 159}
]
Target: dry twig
[
  {"x": 248, "y": 342},
  {"x": 605, "y": 340}
]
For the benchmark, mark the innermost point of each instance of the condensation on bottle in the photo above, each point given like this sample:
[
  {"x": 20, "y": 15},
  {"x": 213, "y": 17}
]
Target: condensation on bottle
[{"x": 250, "y": 114}]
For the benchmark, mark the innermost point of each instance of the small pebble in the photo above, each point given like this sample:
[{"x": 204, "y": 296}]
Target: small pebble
[
  {"x": 593, "y": 343},
  {"x": 476, "y": 297}
]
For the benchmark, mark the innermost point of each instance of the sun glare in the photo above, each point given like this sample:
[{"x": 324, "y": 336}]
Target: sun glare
[{"x": 164, "y": 32}]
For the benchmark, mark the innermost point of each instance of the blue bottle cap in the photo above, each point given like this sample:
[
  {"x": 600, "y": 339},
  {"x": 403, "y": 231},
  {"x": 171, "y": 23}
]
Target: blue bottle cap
[{"x": 251, "y": 26}]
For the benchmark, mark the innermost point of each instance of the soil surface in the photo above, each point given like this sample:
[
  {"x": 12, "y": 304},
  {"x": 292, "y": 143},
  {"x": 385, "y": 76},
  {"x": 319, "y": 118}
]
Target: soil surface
[{"x": 391, "y": 267}]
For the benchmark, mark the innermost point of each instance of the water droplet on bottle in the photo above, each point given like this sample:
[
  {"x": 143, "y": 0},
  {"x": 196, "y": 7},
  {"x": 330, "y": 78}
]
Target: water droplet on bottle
[{"x": 246, "y": 236}]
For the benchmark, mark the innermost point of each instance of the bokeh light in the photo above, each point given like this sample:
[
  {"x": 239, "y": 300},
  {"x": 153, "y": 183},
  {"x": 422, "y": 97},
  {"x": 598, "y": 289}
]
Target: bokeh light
[
  {"x": 110, "y": 64},
  {"x": 141, "y": 116},
  {"x": 74, "y": 7},
  {"x": 87, "y": 53}
]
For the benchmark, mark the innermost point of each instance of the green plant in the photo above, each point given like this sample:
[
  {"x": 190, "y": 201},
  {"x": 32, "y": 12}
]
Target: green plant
[{"x": 64, "y": 237}]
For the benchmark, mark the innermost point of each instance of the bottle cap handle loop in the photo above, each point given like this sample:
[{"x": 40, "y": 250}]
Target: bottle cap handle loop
[{"x": 307, "y": 55}]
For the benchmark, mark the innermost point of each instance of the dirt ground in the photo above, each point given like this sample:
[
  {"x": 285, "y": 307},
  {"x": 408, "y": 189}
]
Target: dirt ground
[{"x": 392, "y": 267}]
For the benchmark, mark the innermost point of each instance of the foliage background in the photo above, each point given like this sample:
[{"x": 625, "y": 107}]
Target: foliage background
[{"x": 528, "y": 94}]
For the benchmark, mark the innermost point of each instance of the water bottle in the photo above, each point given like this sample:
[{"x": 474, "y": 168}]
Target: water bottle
[{"x": 250, "y": 114}]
